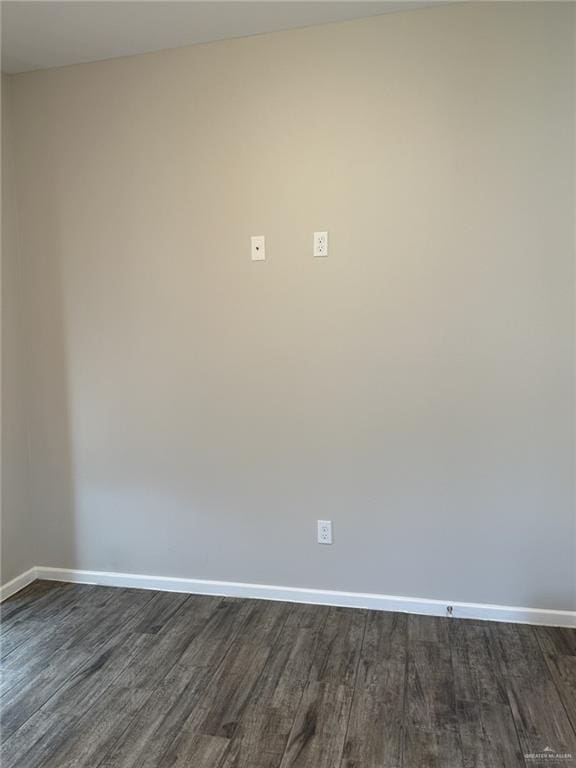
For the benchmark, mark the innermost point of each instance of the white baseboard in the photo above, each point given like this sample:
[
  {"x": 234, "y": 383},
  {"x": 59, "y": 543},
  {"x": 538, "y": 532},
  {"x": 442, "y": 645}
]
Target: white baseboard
[
  {"x": 300, "y": 595},
  {"x": 21, "y": 581}
]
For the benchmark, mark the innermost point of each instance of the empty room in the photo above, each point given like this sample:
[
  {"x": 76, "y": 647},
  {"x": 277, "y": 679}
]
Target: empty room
[{"x": 288, "y": 377}]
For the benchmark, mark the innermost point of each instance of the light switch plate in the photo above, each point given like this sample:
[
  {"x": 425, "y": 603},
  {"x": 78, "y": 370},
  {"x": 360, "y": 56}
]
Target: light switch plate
[{"x": 258, "y": 245}]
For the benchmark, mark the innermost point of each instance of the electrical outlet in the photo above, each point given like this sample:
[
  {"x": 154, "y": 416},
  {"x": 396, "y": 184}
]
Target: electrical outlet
[
  {"x": 324, "y": 531},
  {"x": 320, "y": 243}
]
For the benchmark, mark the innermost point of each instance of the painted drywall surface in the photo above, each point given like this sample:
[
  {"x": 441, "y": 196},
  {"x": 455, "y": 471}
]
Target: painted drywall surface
[
  {"x": 17, "y": 535},
  {"x": 193, "y": 413}
]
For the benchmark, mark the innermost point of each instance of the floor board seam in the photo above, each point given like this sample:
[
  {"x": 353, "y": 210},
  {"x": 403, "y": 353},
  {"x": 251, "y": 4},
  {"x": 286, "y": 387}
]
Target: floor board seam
[
  {"x": 354, "y": 689},
  {"x": 451, "y": 647},
  {"x": 405, "y": 690},
  {"x": 297, "y": 708},
  {"x": 504, "y": 669}
]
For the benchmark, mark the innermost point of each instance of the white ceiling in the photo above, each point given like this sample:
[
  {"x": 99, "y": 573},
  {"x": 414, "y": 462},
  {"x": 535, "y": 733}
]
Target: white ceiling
[{"x": 39, "y": 35}]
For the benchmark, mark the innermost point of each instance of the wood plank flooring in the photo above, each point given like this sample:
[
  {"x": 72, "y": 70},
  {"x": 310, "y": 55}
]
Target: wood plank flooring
[{"x": 101, "y": 677}]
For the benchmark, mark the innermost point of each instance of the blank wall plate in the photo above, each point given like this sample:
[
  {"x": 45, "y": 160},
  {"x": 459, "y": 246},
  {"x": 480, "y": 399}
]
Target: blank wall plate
[{"x": 258, "y": 246}]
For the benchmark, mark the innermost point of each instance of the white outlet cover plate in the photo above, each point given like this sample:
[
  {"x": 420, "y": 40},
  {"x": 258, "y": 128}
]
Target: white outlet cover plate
[
  {"x": 321, "y": 244},
  {"x": 258, "y": 247},
  {"x": 324, "y": 532}
]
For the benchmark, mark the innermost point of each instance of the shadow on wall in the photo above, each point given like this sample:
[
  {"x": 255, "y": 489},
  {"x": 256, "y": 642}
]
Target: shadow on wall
[{"x": 51, "y": 436}]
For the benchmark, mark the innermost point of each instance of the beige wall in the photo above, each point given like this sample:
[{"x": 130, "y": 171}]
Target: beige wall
[
  {"x": 17, "y": 534},
  {"x": 193, "y": 413}
]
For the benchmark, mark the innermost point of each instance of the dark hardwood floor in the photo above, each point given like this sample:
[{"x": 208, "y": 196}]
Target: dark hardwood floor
[{"x": 116, "y": 678}]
